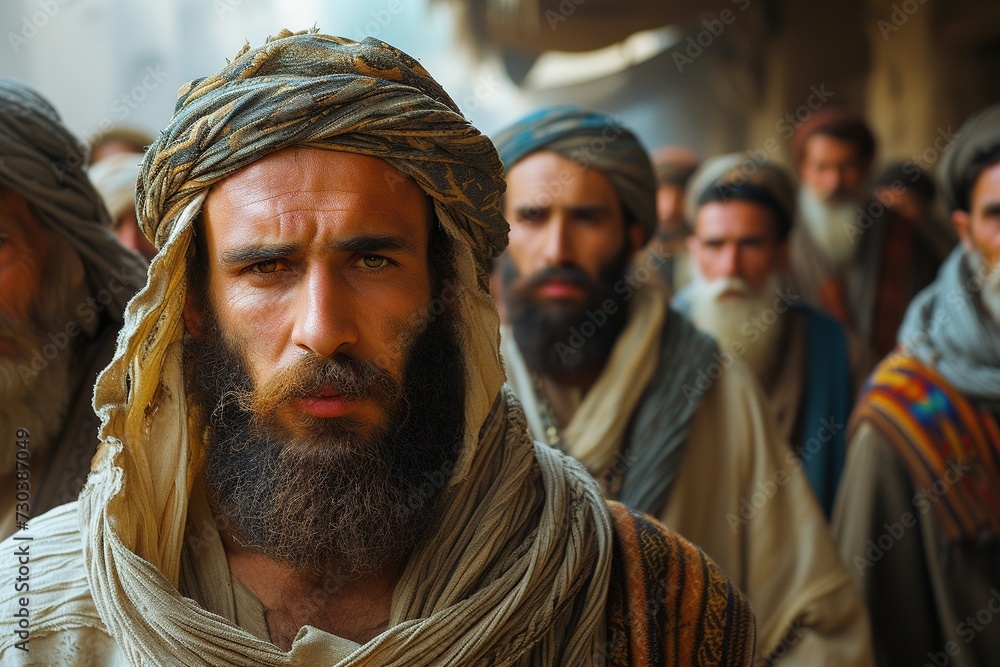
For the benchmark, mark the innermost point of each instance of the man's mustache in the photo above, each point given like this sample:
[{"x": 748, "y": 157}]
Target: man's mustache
[
  {"x": 563, "y": 273},
  {"x": 350, "y": 376}
]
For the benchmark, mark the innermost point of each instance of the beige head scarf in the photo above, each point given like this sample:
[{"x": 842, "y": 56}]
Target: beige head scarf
[
  {"x": 114, "y": 178},
  {"x": 518, "y": 571}
]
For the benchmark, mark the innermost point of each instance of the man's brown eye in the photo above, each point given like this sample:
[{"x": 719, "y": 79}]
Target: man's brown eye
[
  {"x": 374, "y": 261},
  {"x": 267, "y": 266}
]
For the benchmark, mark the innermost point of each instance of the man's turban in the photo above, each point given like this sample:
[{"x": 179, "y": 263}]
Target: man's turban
[
  {"x": 835, "y": 122},
  {"x": 591, "y": 140},
  {"x": 325, "y": 92},
  {"x": 728, "y": 173},
  {"x": 977, "y": 137},
  {"x": 42, "y": 161}
]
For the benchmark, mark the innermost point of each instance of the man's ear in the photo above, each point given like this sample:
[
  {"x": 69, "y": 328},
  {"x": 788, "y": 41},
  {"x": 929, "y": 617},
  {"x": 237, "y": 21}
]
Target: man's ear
[
  {"x": 194, "y": 321},
  {"x": 962, "y": 221}
]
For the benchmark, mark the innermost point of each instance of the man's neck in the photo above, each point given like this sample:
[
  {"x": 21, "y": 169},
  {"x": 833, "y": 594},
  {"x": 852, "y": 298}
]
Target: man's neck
[{"x": 355, "y": 608}]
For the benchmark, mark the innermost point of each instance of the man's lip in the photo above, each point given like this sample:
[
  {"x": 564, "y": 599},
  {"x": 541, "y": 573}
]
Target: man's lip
[
  {"x": 560, "y": 289},
  {"x": 324, "y": 405},
  {"x": 732, "y": 294}
]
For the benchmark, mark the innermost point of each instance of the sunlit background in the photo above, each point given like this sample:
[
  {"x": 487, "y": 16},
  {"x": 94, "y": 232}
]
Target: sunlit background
[{"x": 715, "y": 75}]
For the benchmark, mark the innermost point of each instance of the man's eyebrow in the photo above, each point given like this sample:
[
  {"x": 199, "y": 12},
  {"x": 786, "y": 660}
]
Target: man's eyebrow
[
  {"x": 992, "y": 208},
  {"x": 250, "y": 254},
  {"x": 375, "y": 244},
  {"x": 589, "y": 208}
]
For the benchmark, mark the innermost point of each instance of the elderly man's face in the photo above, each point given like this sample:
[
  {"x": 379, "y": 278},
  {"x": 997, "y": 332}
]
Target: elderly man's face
[
  {"x": 833, "y": 169},
  {"x": 23, "y": 250},
  {"x": 311, "y": 254},
  {"x": 737, "y": 239}
]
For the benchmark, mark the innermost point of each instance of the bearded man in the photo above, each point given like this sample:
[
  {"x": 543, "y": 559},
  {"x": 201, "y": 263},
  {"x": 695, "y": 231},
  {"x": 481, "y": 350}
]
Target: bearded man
[
  {"x": 666, "y": 422},
  {"x": 918, "y": 519},
  {"x": 64, "y": 282},
  {"x": 807, "y": 364},
  {"x": 308, "y": 456},
  {"x": 853, "y": 257}
]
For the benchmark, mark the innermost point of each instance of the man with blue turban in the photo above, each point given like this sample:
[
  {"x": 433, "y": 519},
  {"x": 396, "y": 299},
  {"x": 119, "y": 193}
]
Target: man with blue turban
[{"x": 666, "y": 422}]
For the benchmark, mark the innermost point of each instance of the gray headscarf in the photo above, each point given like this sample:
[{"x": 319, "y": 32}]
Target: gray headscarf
[
  {"x": 944, "y": 328},
  {"x": 44, "y": 162}
]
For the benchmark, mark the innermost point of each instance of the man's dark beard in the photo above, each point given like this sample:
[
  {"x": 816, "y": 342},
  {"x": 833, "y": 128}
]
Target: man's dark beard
[
  {"x": 327, "y": 496},
  {"x": 544, "y": 330}
]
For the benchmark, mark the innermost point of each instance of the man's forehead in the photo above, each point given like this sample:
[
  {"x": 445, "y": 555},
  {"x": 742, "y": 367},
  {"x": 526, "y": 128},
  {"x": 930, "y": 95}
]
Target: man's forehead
[
  {"x": 548, "y": 172},
  {"x": 302, "y": 168},
  {"x": 828, "y": 146},
  {"x": 298, "y": 182},
  {"x": 736, "y": 217}
]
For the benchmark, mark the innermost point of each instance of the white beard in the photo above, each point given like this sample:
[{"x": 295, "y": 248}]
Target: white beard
[
  {"x": 732, "y": 322},
  {"x": 36, "y": 397},
  {"x": 829, "y": 226}
]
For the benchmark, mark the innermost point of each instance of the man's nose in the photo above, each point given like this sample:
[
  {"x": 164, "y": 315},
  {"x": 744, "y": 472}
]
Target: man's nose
[
  {"x": 558, "y": 242},
  {"x": 729, "y": 261},
  {"x": 325, "y": 321}
]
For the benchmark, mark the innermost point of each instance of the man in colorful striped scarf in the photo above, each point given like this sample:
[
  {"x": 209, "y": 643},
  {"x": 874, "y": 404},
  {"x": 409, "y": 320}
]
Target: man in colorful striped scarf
[
  {"x": 309, "y": 457},
  {"x": 918, "y": 515}
]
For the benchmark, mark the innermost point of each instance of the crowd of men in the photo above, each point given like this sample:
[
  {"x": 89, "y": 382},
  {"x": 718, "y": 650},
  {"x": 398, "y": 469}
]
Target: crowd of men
[{"x": 356, "y": 384}]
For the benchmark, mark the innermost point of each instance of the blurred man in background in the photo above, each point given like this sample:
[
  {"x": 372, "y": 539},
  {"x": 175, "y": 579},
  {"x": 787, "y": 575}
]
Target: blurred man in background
[
  {"x": 64, "y": 282},
  {"x": 674, "y": 166},
  {"x": 918, "y": 517},
  {"x": 666, "y": 421},
  {"x": 851, "y": 256},
  {"x": 806, "y": 362},
  {"x": 114, "y": 177}
]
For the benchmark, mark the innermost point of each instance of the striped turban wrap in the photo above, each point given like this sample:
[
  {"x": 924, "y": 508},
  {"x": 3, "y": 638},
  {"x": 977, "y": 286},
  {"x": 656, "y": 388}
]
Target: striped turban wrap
[{"x": 518, "y": 570}]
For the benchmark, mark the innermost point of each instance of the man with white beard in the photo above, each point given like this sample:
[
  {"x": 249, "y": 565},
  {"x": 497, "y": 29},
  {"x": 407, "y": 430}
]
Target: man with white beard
[
  {"x": 741, "y": 214},
  {"x": 851, "y": 256},
  {"x": 64, "y": 282},
  {"x": 918, "y": 519}
]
